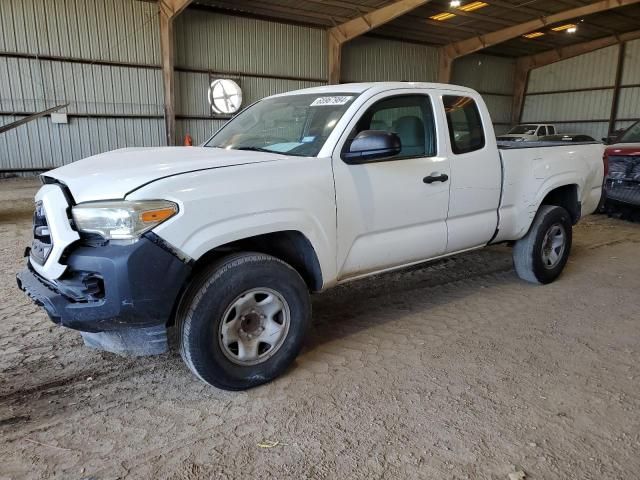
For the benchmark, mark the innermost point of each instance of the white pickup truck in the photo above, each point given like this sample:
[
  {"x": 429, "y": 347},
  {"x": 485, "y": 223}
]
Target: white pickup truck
[
  {"x": 528, "y": 133},
  {"x": 298, "y": 193}
]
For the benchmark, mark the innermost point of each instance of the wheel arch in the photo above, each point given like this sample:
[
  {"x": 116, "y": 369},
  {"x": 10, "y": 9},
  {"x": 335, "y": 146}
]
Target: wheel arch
[
  {"x": 567, "y": 197},
  {"x": 290, "y": 246}
]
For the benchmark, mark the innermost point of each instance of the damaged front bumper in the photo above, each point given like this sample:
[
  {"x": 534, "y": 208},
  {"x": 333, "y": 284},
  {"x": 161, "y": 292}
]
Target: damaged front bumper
[{"x": 120, "y": 297}]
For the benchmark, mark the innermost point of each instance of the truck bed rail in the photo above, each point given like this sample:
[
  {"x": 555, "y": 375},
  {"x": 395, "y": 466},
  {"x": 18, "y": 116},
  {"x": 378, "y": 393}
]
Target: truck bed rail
[{"x": 512, "y": 145}]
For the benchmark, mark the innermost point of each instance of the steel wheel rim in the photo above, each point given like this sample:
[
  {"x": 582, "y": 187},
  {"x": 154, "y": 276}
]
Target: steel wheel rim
[
  {"x": 553, "y": 246},
  {"x": 254, "y": 326}
]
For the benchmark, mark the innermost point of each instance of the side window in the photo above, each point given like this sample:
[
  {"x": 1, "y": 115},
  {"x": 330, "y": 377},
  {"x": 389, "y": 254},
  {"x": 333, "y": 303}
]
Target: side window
[
  {"x": 542, "y": 131},
  {"x": 410, "y": 117},
  {"x": 465, "y": 124},
  {"x": 551, "y": 129}
]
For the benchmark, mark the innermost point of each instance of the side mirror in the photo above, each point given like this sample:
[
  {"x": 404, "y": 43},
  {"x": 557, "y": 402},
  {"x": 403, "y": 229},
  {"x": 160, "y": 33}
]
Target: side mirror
[{"x": 371, "y": 146}]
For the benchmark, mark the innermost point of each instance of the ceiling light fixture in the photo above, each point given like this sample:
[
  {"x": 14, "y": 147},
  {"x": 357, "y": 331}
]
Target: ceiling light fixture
[
  {"x": 533, "y": 35},
  {"x": 470, "y": 7},
  {"x": 562, "y": 28},
  {"x": 455, "y": 3},
  {"x": 443, "y": 16},
  {"x": 572, "y": 30}
]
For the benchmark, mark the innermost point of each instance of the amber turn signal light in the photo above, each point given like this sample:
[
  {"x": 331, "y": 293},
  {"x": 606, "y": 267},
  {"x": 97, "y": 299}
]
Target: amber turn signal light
[{"x": 156, "y": 216}]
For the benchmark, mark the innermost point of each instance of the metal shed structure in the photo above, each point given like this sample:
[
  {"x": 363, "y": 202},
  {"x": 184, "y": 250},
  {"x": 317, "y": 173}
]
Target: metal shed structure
[{"x": 136, "y": 73}]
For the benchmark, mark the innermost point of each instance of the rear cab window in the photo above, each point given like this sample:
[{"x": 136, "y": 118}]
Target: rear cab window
[{"x": 465, "y": 124}]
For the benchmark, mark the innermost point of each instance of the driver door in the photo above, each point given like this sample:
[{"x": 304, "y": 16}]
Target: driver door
[{"x": 390, "y": 213}]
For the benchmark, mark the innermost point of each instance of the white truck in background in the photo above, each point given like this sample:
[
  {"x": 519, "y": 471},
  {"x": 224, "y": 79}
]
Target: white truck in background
[
  {"x": 528, "y": 132},
  {"x": 298, "y": 193}
]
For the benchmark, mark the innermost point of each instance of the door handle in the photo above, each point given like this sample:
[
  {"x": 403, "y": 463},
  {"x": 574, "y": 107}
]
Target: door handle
[{"x": 435, "y": 177}]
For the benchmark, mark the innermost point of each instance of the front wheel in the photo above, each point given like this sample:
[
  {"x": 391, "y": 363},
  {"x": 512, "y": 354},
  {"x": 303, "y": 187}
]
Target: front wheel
[
  {"x": 541, "y": 255},
  {"x": 243, "y": 321}
]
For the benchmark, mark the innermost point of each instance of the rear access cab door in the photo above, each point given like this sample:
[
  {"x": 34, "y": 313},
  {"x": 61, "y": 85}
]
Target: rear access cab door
[{"x": 476, "y": 170}]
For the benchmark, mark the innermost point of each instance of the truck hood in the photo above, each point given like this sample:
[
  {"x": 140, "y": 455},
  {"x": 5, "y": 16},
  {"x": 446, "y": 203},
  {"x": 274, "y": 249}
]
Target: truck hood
[{"x": 113, "y": 175}]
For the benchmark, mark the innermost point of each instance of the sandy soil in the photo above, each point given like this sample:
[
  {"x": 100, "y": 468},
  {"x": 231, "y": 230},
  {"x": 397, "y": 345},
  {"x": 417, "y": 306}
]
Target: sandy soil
[{"x": 456, "y": 370}]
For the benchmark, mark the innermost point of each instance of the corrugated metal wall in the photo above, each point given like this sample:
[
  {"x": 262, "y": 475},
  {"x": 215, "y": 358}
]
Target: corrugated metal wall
[
  {"x": 629, "y": 103},
  {"x": 592, "y": 70},
  {"x": 370, "y": 59},
  {"x": 376, "y": 59},
  {"x": 96, "y": 55},
  {"x": 250, "y": 51},
  {"x": 257, "y": 46},
  {"x": 577, "y": 94},
  {"x": 30, "y": 85},
  {"x": 568, "y": 106},
  {"x": 493, "y": 78},
  {"x": 102, "y": 57},
  {"x": 255, "y": 59},
  {"x": 109, "y": 30},
  {"x": 41, "y": 144}
]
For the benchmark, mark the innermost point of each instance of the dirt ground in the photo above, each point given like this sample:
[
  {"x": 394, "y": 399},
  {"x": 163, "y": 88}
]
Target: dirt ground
[{"x": 456, "y": 370}]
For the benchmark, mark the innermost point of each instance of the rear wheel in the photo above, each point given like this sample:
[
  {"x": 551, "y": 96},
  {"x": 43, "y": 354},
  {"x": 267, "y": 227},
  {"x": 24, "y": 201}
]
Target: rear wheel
[
  {"x": 243, "y": 321},
  {"x": 542, "y": 254}
]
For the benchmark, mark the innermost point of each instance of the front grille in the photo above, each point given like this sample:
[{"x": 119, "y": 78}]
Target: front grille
[
  {"x": 624, "y": 168},
  {"x": 41, "y": 244},
  {"x": 623, "y": 180}
]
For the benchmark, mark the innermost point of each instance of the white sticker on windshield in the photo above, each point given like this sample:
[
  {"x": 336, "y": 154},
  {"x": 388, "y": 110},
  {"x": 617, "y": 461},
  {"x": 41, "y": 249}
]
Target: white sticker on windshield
[{"x": 321, "y": 101}]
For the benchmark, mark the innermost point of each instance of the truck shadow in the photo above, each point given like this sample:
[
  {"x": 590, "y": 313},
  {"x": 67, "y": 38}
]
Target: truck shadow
[{"x": 352, "y": 308}]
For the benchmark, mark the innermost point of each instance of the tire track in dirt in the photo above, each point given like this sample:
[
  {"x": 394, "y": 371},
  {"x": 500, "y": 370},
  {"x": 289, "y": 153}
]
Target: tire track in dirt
[
  {"x": 99, "y": 377},
  {"x": 446, "y": 370}
]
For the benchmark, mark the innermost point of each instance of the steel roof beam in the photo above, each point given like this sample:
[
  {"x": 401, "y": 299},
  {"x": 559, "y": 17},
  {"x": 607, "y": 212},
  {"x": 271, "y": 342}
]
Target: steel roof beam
[
  {"x": 464, "y": 47},
  {"x": 570, "y": 51},
  {"x": 538, "y": 12}
]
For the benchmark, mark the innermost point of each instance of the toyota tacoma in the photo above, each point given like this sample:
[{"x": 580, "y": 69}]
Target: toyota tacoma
[{"x": 297, "y": 193}]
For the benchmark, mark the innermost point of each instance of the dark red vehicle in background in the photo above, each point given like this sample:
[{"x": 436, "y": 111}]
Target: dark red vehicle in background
[{"x": 622, "y": 182}]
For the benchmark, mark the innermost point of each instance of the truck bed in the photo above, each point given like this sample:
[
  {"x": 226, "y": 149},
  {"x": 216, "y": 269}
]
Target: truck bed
[{"x": 531, "y": 169}]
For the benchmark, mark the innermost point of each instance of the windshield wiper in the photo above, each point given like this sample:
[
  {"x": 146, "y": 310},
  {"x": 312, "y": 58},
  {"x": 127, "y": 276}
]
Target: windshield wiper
[
  {"x": 266, "y": 150},
  {"x": 258, "y": 149}
]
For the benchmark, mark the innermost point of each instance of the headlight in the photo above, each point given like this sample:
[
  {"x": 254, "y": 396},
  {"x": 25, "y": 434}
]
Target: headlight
[{"x": 121, "y": 220}]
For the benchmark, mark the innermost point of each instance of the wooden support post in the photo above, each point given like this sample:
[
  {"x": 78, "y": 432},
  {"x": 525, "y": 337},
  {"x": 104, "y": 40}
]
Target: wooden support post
[
  {"x": 521, "y": 79},
  {"x": 616, "y": 90},
  {"x": 335, "y": 58},
  {"x": 166, "y": 47},
  {"x": 169, "y": 10},
  {"x": 445, "y": 66}
]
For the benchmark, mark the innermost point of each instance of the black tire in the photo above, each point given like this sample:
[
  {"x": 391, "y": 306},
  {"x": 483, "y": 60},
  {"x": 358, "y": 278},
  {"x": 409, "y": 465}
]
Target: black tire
[
  {"x": 528, "y": 257},
  {"x": 213, "y": 292}
]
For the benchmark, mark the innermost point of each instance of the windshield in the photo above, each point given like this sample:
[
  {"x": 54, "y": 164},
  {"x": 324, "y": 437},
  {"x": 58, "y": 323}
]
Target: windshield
[
  {"x": 632, "y": 135},
  {"x": 291, "y": 124},
  {"x": 524, "y": 130}
]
